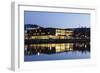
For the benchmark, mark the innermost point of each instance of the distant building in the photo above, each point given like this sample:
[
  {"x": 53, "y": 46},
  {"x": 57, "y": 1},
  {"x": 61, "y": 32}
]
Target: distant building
[
  {"x": 48, "y": 33},
  {"x": 37, "y": 33},
  {"x": 64, "y": 33}
]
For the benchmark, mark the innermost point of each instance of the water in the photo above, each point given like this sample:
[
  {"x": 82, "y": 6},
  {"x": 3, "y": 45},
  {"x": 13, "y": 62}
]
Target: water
[
  {"x": 58, "y": 56},
  {"x": 57, "y": 51}
]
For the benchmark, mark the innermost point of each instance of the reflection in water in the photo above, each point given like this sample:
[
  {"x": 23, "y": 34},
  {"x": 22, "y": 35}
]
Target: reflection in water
[
  {"x": 56, "y": 51},
  {"x": 58, "y": 56},
  {"x": 82, "y": 47},
  {"x": 51, "y": 48}
]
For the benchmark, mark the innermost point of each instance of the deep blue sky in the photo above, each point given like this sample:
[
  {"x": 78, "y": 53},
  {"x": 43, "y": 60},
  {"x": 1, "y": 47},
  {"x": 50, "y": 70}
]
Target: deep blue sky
[{"x": 56, "y": 19}]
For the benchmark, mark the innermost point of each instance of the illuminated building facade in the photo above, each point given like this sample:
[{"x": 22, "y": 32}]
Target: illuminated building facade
[{"x": 49, "y": 40}]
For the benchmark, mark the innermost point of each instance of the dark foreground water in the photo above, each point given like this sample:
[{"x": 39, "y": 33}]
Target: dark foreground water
[
  {"x": 58, "y": 56},
  {"x": 57, "y": 51}
]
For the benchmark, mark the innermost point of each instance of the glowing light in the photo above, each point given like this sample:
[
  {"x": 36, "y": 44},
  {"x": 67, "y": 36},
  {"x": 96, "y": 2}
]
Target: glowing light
[{"x": 38, "y": 53}]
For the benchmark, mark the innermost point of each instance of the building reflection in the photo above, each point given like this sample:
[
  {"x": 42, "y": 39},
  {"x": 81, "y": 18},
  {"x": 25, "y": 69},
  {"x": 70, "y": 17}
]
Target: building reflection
[{"x": 36, "y": 49}]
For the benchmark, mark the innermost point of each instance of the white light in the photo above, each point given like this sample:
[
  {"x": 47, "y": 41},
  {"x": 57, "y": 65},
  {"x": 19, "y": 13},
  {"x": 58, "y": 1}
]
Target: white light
[{"x": 38, "y": 53}]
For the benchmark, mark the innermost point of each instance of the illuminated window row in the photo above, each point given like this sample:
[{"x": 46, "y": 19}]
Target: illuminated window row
[{"x": 49, "y": 37}]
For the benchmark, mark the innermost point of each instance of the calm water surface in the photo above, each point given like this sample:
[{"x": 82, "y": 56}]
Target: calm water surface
[
  {"x": 58, "y": 56},
  {"x": 41, "y": 52}
]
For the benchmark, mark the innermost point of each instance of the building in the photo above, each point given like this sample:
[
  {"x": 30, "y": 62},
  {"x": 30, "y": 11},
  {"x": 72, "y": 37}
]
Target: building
[
  {"x": 35, "y": 33},
  {"x": 48, "y": 33}
]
